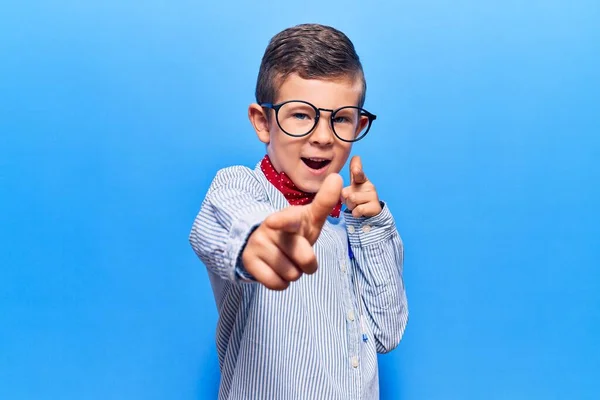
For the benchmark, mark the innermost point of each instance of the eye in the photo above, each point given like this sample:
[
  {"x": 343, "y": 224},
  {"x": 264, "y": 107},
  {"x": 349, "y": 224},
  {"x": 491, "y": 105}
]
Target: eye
[
  {"x": 301, "y": 116},
  {"x": 340, "y": 120}
]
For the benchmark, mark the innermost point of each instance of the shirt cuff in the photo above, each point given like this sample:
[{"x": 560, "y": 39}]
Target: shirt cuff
[
  {"x": 364, "y": 231},
  {"x": 240, "y": 231}
]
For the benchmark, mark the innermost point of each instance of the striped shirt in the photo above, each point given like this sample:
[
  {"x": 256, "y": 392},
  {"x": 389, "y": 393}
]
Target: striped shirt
[{"x": 319, "y": 338}]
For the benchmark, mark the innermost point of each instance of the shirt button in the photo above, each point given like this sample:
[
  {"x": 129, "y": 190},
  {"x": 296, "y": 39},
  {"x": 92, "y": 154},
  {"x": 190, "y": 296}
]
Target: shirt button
[
  {"x": 350, "y": 315},
  {"x": 366, "y": 228},
  {"x": 354, "y": 362},
  {"x": 351, "y": 229},
  {"x": 343, "y": 268}
]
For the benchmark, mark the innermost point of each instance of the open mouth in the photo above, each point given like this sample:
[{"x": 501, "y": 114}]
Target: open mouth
[{"x": 316, "y": 163}]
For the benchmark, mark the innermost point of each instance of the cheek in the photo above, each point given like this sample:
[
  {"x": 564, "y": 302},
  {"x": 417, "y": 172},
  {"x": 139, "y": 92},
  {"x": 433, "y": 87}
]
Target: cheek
[
  {"x": 344, "y": 152},
  {"x": 278, "y": 140},
  {"x": 341, "y": 156},
  {"x": 287, "y": 148}
]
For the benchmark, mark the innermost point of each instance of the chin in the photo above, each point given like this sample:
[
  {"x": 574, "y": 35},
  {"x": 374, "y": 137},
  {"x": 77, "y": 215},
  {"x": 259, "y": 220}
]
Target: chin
[{"x": 311, "y": 186}]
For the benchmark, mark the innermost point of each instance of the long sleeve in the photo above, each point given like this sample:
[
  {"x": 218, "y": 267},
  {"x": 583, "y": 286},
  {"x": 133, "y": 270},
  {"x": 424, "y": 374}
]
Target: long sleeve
[
  {"x": 379, "y": 256},
  {"x": 234, "y": 206}
]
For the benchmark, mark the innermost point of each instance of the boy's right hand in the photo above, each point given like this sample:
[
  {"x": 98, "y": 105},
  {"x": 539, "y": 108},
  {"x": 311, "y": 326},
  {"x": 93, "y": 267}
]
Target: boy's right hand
[{"x": 280, "y": 250}]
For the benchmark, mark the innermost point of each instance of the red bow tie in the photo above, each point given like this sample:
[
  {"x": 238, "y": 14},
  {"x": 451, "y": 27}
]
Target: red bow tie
[{"x": 292, "y": 193}]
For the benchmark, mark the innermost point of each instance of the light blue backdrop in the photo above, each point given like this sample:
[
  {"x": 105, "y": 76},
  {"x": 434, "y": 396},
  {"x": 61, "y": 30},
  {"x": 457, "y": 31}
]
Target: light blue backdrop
[{"x": 115, "y": 115}]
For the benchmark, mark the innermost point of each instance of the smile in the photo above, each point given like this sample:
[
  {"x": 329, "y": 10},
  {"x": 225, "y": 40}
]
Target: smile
[{"x": 316, "y": 163}]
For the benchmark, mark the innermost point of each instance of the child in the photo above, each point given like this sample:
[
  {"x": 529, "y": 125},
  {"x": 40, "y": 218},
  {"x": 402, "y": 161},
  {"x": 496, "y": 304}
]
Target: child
[{"x": 307, "y": 294}]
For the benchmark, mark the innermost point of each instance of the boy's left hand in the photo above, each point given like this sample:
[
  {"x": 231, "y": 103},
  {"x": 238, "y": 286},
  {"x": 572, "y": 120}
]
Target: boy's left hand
[{"x": 360, "y": 197}]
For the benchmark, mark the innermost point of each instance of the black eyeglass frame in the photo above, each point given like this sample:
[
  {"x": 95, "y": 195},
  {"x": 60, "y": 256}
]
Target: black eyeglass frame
[{"x": 276, "y": 107}]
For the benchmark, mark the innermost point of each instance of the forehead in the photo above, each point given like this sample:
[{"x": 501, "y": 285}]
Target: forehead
[{"x": 324, "y": 93}]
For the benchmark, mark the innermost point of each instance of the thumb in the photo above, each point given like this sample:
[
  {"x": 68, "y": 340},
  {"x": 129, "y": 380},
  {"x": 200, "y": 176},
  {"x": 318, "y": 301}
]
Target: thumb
[{"x": 326, "y": 199}]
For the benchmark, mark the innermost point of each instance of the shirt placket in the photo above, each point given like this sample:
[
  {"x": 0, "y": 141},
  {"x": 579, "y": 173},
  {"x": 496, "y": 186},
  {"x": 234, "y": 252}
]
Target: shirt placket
[{"x": 352, "y": 320}]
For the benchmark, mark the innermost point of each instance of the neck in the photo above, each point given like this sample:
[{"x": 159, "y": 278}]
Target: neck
[{"x": 294, "y": 195}]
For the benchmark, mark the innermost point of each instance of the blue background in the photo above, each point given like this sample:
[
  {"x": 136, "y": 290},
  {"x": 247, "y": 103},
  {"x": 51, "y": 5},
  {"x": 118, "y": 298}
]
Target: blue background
[{"x": 114, "y": 117}]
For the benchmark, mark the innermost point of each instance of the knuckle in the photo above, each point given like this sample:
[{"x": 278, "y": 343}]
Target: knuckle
[
  {"x": 247, "y": 258},
  {"x": 286, "y": 270},
  {"x": 267, "y": 223},
  {"x": 292, "y": 274},
  {"x": 309, "y": 265},
  {"x": 257, "y": 233},
  {"x": 276, "y": 285},
  {"x": 261, "y": 238},
  {"x": 303, "y": 261}
]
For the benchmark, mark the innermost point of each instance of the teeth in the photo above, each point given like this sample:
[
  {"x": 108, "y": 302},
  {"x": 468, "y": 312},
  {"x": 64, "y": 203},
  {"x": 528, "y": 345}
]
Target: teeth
[{"x": 317, "y": 159}]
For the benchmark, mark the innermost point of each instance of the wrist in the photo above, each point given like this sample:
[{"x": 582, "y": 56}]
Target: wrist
[{"x": 364, "y": 231}]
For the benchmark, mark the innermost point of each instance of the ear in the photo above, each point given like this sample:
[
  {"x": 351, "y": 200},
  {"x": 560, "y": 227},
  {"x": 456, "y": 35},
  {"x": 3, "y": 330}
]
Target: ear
[
  {"x": 362, "y": 124},
  {"x": 258, "y": 119}
]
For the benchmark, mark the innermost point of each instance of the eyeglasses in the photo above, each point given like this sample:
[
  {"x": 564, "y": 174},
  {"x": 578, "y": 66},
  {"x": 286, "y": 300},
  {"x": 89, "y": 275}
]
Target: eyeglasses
[{"x": 299, "y": 118}]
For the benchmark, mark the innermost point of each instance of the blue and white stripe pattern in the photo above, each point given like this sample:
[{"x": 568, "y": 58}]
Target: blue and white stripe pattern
[{"x": 305, "y": 342}]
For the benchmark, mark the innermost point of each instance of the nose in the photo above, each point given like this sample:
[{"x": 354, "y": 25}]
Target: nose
[{"x": 322, "y": 133}]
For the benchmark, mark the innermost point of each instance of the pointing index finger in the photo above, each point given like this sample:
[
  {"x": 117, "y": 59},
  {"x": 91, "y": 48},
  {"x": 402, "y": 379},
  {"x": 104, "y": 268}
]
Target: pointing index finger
[
  {"x": 287, "y": 220},
  {"x": 357, "y": 174}
]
